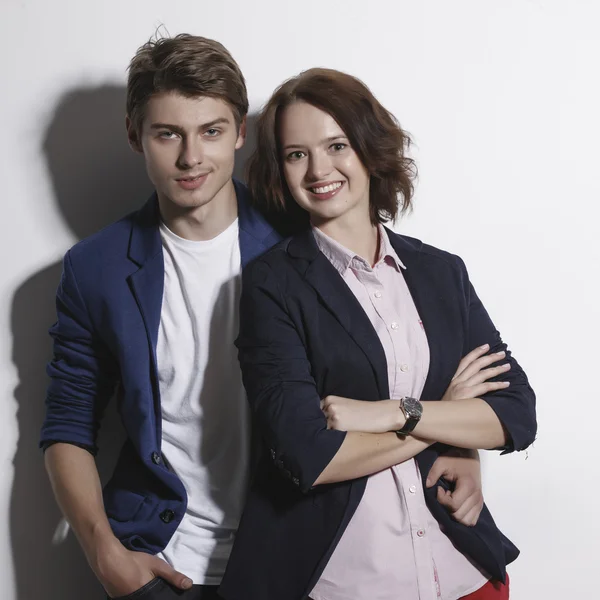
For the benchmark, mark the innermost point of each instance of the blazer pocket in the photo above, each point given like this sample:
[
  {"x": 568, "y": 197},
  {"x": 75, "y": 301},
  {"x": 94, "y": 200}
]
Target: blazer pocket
[{"x": 122, "y": 505}]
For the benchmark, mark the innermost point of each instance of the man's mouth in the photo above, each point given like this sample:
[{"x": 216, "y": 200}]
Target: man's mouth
[
  {"x": 192, "y": 177},
  {"x": 192, "y": 182}
]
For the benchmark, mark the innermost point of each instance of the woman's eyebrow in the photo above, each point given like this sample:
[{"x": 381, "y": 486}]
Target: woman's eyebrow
[{"x": 327, "y": 140}]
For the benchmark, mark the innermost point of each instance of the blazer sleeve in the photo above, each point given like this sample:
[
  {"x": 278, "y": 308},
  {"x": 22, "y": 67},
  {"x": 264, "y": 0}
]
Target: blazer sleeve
[
  {"x": 277, "y": 376},
  {"x": 83, "y": 373},
  {"x": 515, "y": 405}
]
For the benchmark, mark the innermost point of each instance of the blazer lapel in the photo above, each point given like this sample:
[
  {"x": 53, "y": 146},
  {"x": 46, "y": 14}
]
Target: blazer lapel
[
  {"x": 422, "y": 280},
  {"x": 341, "y": 302},
  {"x": 145, "y": 250},
  {"x": 147, "y": 283}
]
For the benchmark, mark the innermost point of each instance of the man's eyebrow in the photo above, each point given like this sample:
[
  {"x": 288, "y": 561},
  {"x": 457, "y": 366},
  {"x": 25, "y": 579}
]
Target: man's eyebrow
[
  {"x": 177, "y": 129},
  {"x": 328, "y": 140},
  {"x": 219, "y": 121}
]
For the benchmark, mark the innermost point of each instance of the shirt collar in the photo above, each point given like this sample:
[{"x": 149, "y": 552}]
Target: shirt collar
[
  {"x": 342, "y": 258},
  {"x": 386, "y": 250}
]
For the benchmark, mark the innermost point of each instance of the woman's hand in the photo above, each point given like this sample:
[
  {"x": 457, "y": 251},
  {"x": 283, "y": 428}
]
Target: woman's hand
[
  {"x": 471, "y": 377},
  {"x": 345, "y": 414},
  {"x": 461, "y": 468}
]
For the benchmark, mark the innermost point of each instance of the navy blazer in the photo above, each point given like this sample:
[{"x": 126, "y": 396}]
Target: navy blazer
[
  {"x": 303, "y": 336},
  {"x": 108, "y": 306}
]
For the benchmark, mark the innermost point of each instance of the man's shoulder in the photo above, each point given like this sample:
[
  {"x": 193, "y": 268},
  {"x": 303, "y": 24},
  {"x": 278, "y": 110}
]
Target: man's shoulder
[
  {"x": 112, "y": 243},
  {"x": 253, "y": 220},
  {"x": 104, "y": 244}
]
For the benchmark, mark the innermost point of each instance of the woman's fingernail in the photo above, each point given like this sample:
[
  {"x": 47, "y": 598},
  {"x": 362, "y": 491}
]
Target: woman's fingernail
[
  {"x": 501, "y": 353},
  {"x": 484, "y": 347}
]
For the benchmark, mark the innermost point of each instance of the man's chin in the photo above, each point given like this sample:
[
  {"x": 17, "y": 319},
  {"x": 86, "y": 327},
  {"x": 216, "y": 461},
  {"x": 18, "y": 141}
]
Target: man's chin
[
  {"x": 180, "y": 199},
  {"x": 188, "y": 200}
]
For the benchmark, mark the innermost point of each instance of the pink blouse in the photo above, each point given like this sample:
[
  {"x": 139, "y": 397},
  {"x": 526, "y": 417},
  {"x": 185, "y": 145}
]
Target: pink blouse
[{"x": 393, "y": 548}]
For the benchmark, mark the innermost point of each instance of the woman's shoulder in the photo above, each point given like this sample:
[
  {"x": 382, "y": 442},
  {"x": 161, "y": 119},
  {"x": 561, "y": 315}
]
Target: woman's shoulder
[
  {"x": 406, "y": 243},
  {"x": 275, "y": 256},
  {"x": 274, "y": 264}
]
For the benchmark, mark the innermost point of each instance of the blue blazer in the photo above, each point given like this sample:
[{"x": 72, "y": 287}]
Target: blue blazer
[
  {"x": 303, "y": 336},
  {"x": 108, "y": 305}
]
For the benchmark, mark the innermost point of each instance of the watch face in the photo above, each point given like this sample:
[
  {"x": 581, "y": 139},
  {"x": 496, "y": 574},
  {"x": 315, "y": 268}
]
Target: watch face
[{"x": 413, "y": 407}]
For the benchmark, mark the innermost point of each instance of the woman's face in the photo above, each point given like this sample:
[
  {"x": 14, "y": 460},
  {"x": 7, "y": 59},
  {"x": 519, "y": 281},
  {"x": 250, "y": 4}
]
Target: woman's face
[{"x": 323, "y": 172}]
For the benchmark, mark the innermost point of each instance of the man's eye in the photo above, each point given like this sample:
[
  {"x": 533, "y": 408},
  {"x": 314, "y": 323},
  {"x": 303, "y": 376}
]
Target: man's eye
[
  {"x": 167, "y": 135},
  {"x": 212, "y": 132}
]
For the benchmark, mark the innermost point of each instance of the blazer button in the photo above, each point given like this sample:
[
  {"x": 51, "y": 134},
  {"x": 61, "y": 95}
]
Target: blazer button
[
  {"x": 156, "y": 459},
  {"x": 167, "y": 515},
  {"x": 295, "y": 481}
]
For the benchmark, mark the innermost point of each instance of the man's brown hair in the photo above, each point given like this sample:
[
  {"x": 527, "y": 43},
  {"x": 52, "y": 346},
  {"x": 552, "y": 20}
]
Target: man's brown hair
[
  {"x": 373, "y": 132},
  {"x": 190, "y": 65}
]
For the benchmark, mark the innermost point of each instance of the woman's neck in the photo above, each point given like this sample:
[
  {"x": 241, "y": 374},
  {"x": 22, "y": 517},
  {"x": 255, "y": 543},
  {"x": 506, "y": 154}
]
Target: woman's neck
[{"x": 361, "y": 236}]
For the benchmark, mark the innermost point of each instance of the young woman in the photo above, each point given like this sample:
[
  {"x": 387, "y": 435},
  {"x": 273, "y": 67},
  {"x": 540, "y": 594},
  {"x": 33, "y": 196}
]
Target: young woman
[{"x": 365, "y": 354}]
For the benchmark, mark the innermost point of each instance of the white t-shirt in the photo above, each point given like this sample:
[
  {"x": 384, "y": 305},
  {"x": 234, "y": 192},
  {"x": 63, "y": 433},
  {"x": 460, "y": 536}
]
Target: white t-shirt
[{"x": 205, "y": 420}]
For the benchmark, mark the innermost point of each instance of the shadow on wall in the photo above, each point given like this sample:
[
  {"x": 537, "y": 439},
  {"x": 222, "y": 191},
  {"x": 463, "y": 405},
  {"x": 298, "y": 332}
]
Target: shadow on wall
[{"x": 96, "y": 180}]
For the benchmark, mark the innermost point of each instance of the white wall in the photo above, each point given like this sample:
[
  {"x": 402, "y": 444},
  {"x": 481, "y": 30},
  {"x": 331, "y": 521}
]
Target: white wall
[{"x": 502, "y": 100}]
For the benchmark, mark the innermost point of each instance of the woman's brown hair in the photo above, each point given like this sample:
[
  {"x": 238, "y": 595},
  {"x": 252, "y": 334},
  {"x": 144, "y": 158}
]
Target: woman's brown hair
[{"x": 373, "y": 132}]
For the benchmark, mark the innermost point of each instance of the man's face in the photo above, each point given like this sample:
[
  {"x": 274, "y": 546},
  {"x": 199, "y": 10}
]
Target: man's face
[{"x": 189, "y": 145}]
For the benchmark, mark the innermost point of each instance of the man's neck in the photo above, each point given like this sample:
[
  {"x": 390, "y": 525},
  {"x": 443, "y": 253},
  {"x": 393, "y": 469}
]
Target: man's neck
[{"x": 201, "y": 223}]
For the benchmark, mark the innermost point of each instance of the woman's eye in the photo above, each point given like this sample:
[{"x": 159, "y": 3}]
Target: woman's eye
[
  {"x": 296, "y": 155},
  {"x": 339, "y": 146}
]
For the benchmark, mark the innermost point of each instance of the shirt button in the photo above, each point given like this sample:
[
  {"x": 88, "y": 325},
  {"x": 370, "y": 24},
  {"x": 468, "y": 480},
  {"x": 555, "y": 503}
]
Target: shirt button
[
  {"x": 404, "y": 368},
  {"x": 412, "y": 489},
  {"x": 394, "y": 325},
  {"x": 420, "y": 532},
  {"x": 377, "y": 294},
  {"x": 156, "y": 459},
  {"x": 166, "y": 516}
]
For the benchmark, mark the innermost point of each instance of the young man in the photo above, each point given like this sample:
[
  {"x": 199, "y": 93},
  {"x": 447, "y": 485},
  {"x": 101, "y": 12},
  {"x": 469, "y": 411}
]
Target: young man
[{"x": 149, "y": 307}]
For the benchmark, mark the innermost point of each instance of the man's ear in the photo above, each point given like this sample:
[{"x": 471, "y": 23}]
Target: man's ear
[
  {"x": 241, "y": 135},
  {"x": 132, "y": 136}
]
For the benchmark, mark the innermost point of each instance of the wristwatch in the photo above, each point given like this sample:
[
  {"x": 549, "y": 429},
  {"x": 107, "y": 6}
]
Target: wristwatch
[{"x": 412, "y": 409}]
